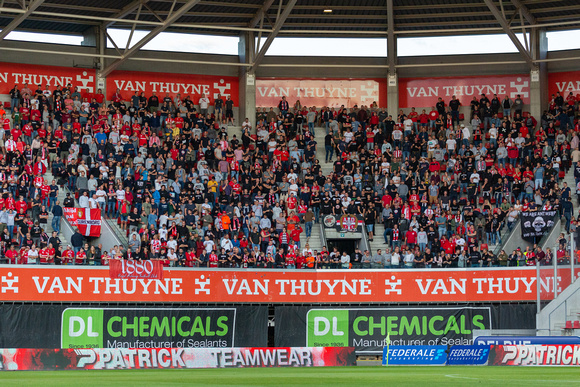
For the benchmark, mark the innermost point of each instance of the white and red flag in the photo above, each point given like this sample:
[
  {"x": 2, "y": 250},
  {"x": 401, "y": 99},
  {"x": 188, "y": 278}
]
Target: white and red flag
[{"x": 88, "y": 221}]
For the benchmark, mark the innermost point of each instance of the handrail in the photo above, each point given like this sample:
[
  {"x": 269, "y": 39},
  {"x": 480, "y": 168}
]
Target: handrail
[
  {"x": 322, "y": 234},
  {"x": 505, "y": 237}
]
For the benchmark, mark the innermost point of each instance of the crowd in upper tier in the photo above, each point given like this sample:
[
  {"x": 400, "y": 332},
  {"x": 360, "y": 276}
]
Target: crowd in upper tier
[{"x": 189, "y": 193}]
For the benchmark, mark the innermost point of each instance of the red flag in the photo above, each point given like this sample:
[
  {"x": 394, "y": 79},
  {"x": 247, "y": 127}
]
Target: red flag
[
  {"x": 89, "y": 221},
  {"x": 70, "y": 214}
]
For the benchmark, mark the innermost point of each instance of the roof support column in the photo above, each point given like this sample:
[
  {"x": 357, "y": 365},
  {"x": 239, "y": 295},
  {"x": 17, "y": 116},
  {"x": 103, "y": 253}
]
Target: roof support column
[
  {"x": 277, "y": 27},
  {"x": 20, "y": 18},
  {"x": 393, "y": 84},
  {"x": 539, "y": 76},
  {"x": 171, "y": 18},
  {"x": 247, "y": 82},
  {"x": 505, "y": 25},
  {"x": 101, "y": 48}
]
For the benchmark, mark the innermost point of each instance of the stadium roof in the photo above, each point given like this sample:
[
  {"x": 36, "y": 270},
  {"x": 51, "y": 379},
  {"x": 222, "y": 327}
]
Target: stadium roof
[
  {"x": 304, "y": 18},
  {"x": 267, "y": 19}
]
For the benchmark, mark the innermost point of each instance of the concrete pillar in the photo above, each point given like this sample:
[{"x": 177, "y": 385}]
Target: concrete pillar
[
  {"x": 539, "y": 76},
  {"x": 247, "y": 79},
  {"x": 100, "y": 48},
  {"x": 393, "y": 95}
]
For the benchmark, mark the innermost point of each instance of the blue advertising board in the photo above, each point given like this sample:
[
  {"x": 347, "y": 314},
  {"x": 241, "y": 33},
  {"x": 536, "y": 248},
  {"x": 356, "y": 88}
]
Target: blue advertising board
[
  {"x": 468, "y": 355},
  {"x": 415, "y": 355},
  {"x": 525, "y": 340}
]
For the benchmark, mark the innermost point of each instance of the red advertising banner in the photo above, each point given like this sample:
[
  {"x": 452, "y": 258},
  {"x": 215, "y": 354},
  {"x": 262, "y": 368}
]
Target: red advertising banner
[
  {"x": 535, "y": 355},
  {"x": 169, "y": 358},
  {"x": 424, "y": 92},
  {"x": 18, "y": 74},
  {"x": 89, "y": 221},
  {"x": 321, "y": 92},
  {"x": 565, "y": 83},
  {"x": 135, "y": 269},
  {"x": 80, "y": 284},
  {"x": 161, "y": 83}
]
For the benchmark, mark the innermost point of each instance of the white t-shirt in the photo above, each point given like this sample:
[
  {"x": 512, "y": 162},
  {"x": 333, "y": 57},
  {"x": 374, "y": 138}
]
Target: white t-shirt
[
  {"x": 208, "y": 246},
  {"x": 348, "y": 137},
  {"x": 395, "y": 259},
  {"x": 32, "y": 256},
  {"x": 431, "y": 145},
  {"x": 120, "y": 194},
  {"x": 451, "y": 143},
  {"x": 203, "y": 103}
]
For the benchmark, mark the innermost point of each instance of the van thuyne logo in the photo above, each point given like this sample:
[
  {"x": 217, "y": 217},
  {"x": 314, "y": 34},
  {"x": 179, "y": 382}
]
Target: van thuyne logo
[{"x": 148, "y": 328}]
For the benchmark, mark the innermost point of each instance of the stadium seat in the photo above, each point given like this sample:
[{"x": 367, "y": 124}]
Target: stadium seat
[
  {"x": 7, "y": 105},
  {"x": 525, "y": 114},
  {"x": 568, "y": 325},
  {"x": 577, "y": 324},
  {"x": 500, "y": 115},
  {"x": 461, "y": 117}
]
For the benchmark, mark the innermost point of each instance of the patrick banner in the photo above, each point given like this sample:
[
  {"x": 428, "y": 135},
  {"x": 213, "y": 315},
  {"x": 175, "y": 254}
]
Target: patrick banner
[
  {"x": 19, "y": 74},
  {"x": 167, "y": 358},
  {"x": 88, "y": 220},
  {"x": 129, "y": 82},
  {"x": 424, "y": 92},
  {"x": 321, "y": 92}
]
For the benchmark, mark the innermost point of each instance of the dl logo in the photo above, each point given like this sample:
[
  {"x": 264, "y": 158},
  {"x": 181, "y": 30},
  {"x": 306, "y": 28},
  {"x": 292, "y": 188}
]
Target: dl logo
[
  {"x": 327, "y": 328},
  {"x": 82, "y": 328}
]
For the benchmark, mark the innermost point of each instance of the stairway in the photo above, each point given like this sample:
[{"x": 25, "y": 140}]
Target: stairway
[
  {"x": 60, "y": 197},
  {"x": 378, "y": 239},
  {"x": 315, "y": 240}
]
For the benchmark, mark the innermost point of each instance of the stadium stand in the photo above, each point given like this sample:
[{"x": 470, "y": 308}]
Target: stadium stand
[{"x": 434, "y": 190}]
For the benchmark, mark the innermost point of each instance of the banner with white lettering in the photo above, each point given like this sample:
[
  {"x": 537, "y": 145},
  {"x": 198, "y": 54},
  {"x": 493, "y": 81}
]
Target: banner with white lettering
[
  {"x": 86, "y": 284},
  {"x": 70, "y": 214},
  {"x": 371, "y": 328},
  {"x": 564, "y": 83},
  {"x": 20, "y": 359},
  {"x": 129, "y": 82},
  {"x": 19, "y": 74},
  {"x": 535, "y": 355},
  {"x": 144, "y": 326},
  {"x": 536, "y": 223},
  {"x": 424, "y": 92},
  {"x": 321, "y": 92},
  {"x": 130, "y": 268}
]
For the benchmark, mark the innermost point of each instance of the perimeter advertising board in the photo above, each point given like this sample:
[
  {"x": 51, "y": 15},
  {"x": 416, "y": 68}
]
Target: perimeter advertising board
[
  {"x": 367, "y": 329},
  {"x": 535, "y": 355},
  {"x": 18, "y": 74},
  {"x": 80, "y": 284},
  {"x": 56, "y": 326},
  {"x": 424, "y": 92},
  {"x": 129, "y": 82},
  {"x": 321, "y": 92},
  {"x": 148, "y": 358},
  {"x": 564, "y": 83}
]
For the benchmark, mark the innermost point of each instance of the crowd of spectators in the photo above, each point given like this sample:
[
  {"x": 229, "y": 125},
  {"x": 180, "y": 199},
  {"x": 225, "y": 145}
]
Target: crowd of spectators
[{"x": 189, "y": 194}]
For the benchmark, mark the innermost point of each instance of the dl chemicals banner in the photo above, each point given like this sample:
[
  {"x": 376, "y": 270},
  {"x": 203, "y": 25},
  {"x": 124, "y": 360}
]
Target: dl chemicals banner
[
  {"x": 366, "y": 329},
  {"x": 61, "y": 326},
  {"x": 148, "y": 328}
]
